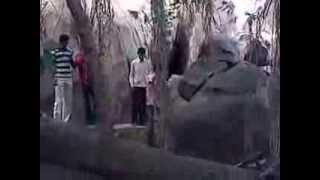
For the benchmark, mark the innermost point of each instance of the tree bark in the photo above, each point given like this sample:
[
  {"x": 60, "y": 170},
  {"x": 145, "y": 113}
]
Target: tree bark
[
  {"x": 159, "y": 57},
  {"x": 81, "y": 150},
  {"x": 95, "y": 67}
]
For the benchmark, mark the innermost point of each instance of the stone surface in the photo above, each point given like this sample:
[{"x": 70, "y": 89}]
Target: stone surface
[
  {"x": 229, "y": 117},
  {"x": 66, "y": 150},
  {"x": 54, "y": 172}
]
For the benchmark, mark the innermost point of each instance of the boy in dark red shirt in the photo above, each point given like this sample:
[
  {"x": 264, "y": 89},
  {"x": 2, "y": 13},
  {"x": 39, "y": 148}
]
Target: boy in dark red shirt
[{"x": 88, "y": 94}]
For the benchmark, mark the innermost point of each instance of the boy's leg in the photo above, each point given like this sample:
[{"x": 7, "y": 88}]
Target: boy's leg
[
  {"x": 67, "y": 105},
  {"x": 142, "y": 106},
  {"x": 135, "y": 106},
  {"x": 57, "y": 109},
  {"x": 86, "y": 104},
  {"x": 139, "y": 102}
]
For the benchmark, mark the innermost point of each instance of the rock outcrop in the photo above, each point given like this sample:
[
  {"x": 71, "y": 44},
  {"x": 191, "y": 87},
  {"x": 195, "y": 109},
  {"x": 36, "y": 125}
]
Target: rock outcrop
[{"x": 223, "y": 112}]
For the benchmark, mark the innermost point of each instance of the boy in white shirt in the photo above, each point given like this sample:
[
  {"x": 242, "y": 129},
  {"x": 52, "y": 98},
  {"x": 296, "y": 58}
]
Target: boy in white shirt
[{"x": 139, "y": 69}]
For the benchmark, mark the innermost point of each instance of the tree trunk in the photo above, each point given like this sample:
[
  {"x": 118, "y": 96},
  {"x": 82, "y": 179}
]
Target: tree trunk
[
  {"x": 95, "y": 67},
  {"x": 68, "y": 147},
  {"x": 159, "y": 57},
  {"x": 275, "y": 137}
]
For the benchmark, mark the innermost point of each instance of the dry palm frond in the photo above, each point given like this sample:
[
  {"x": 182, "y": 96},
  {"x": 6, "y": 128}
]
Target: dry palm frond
[
  {"x": 256, "y": 21},
  {"x": 101, "y": 17},
  {"x": 267, "y": 16},
  {"x": 84, "y": 5},
  {"x": 59, "y": 13},
  {"x": 276, "y": 33},
  {"x": 101, "y": 12},
  {"x": 204, "y": 7},
  {"x": 43, "y": 14},
  {"x": 271, "y": 10},
  {"x": 227, "y": 6},
  {"x": 226, "y": 10},
  {"x": 208, "y": 15},
  {"x": 266, "y": 8}
]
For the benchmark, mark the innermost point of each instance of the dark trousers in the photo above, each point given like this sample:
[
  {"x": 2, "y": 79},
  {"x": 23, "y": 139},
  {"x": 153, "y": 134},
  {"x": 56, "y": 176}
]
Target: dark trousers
[
  {"x": 138, "y": 105},
  {"x": 88, "y": 96}
]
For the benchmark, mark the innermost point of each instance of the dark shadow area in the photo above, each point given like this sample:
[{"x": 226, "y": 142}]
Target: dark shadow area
[{"x": 179, "y": 55}]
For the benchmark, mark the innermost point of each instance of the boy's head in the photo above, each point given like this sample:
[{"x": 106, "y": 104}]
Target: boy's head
[
  {"x": 141, "y": 53},
  {"x": 64, "y": 40}
]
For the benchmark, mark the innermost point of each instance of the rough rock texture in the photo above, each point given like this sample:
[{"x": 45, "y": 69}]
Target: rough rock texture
[
  {"x": 138, "y": 134},
  {"x": 229, "y": 116},
  {"x": 55, "y": 172},
  {"x": 65, "y": 149}
]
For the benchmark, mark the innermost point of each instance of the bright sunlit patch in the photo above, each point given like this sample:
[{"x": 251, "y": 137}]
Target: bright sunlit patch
[
  {"x": 131, "y": 4},
  {"x": 243, "y": 6}
]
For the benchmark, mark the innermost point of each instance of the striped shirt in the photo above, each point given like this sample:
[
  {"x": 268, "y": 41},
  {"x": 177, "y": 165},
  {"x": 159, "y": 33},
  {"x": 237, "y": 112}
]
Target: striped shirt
[{"x": 63, "y": 62}]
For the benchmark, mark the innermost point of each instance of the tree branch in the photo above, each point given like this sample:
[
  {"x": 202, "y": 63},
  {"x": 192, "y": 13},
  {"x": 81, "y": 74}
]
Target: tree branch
[{"x": 95, "y": 67}]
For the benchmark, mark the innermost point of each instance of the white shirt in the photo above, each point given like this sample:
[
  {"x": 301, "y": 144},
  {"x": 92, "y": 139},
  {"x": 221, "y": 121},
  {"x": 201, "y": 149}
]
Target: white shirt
[{"x": 138, "y": 72}]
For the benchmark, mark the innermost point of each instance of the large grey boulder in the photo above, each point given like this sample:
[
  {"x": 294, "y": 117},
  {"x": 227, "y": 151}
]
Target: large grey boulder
[{"x": 226, "y": 111}]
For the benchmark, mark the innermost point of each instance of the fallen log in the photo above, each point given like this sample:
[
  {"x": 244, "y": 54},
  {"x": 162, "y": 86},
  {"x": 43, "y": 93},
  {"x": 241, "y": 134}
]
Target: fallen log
[{"x": 84, "y": 150}]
